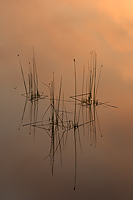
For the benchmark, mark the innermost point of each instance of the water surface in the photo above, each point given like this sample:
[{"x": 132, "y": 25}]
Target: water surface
[{"x": 59, "y": 34}]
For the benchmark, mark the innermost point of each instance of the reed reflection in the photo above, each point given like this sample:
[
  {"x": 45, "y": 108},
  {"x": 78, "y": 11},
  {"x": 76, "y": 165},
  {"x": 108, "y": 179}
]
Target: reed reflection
[
  {"x": 32, "y": 93},
  {"x": 87, "y": 100},
  {"x": 58, "y": 121}
]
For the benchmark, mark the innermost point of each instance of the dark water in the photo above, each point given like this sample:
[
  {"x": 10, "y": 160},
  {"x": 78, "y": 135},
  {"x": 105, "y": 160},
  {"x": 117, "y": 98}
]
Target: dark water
[{"x": 102, "y": 168}]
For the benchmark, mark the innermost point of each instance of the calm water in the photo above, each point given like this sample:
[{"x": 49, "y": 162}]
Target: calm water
[
  {"x": 98, "y": 167},
  {"x": 103, "y": 165}
]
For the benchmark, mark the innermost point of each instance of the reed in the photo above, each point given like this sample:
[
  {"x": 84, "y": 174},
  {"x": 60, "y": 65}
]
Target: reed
[
  {"x": 58, "y": 123},
  {"x": 31, "y": 94}
]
